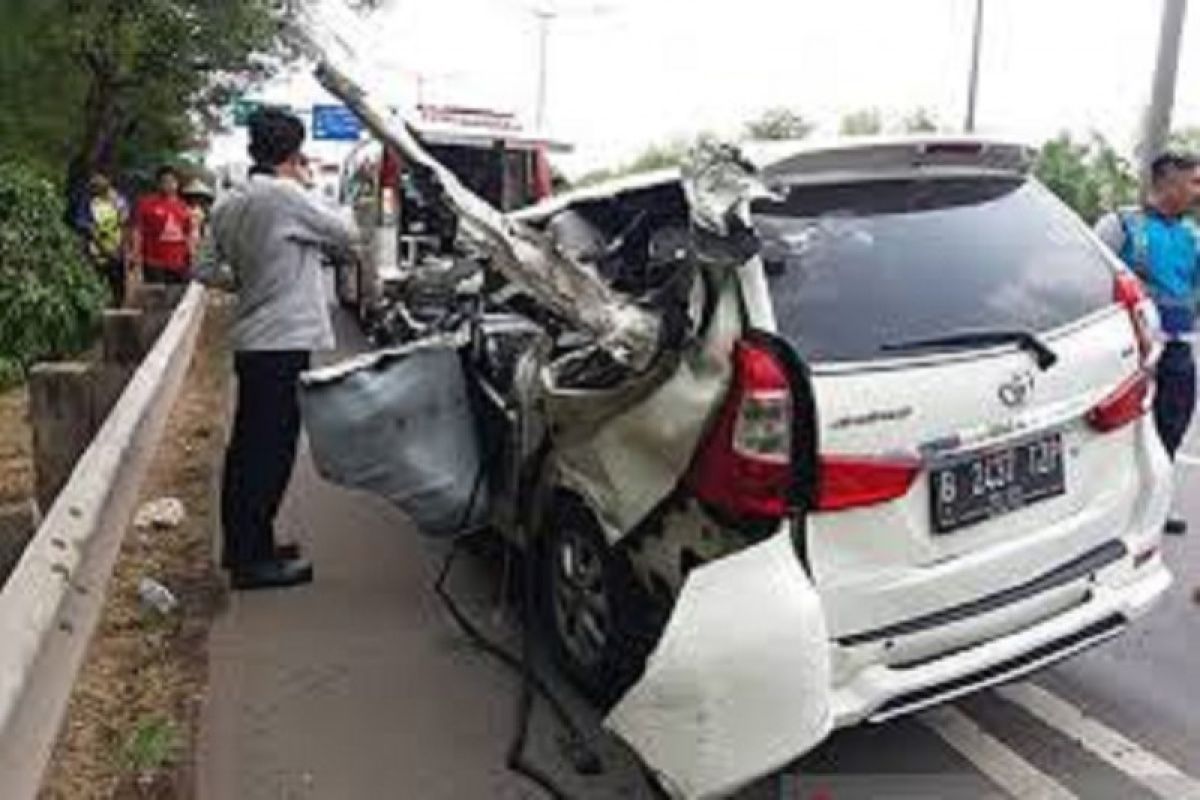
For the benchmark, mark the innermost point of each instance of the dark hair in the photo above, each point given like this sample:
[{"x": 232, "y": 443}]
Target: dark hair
[
  {"x": 1166, "y": 164},
  {"x": 164, "y": 171},
  {"x": 275, "y": 136}
]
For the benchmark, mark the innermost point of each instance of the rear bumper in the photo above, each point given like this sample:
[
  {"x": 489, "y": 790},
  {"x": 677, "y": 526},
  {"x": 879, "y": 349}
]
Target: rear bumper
[
  {"x": 746, "y": 677},
  {"x": 877, "y": 692}
]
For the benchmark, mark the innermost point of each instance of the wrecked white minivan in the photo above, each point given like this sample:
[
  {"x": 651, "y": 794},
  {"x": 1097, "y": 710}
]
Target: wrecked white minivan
[{"x": 825, "y": 437}]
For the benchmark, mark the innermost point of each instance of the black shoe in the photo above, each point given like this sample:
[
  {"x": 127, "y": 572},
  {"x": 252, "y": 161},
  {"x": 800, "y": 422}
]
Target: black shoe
[
  {"x": 285, "y": 551},
  {"x": 275, "y": 573},
  {"x": 1175, "y": 526}
]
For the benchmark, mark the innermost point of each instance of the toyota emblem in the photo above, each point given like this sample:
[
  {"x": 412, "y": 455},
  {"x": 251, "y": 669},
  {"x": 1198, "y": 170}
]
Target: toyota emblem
[{"x": 1017, "y": 390}]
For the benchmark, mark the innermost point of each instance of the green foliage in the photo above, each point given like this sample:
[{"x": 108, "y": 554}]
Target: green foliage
[
  {"x": 1186, "y": 140},
  {"x": 152, "y": 746},
  {"x": 656, "y": 156},
  {"x": 778, "y": 124},
  {"x": 115, "y": 84},
  {"x": 50, "y": 298},
  {"x": 920, "y": 120},
  {"x": 865, "y": 122},
  {"x": 38, "y": 78},
  {"x": 1089, "y": 176}
]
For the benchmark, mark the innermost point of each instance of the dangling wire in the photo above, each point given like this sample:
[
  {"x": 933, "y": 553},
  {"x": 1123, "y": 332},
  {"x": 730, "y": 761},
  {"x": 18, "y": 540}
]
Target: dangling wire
[{"x": 575, "y": 748}]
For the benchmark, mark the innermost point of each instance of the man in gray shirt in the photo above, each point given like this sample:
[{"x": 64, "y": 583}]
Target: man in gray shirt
[{"x": 271, "y": 232}]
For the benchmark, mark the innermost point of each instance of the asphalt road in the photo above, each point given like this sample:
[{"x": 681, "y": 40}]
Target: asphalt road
[{"x": 360, "y": 686}]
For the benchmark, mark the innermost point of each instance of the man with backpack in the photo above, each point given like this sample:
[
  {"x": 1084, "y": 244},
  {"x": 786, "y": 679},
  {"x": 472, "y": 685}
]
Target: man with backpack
[{"x": 1160, "y": 245}]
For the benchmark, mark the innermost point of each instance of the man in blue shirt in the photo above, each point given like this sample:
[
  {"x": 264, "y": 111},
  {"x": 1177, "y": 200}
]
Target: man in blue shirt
[{"x": 1160, "y": 245}]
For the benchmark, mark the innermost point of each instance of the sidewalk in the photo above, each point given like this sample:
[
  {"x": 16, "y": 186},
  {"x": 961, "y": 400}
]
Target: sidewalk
[{"x": 359, "y": 685}]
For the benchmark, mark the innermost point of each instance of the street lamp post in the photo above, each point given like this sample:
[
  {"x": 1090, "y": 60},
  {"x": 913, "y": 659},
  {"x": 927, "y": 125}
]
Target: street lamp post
[
  {"x": 546, "y": 14},
  {"x": 1162, "y": 95},
  {"x": 973, "y": 79},
  {"x": 544, "y": 17}
]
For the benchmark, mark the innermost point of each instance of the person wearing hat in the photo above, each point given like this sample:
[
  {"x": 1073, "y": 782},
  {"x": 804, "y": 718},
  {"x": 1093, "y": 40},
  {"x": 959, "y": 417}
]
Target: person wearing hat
[
  {"x": 199, "y": 199},
  {"x": 270, "y": 232}
]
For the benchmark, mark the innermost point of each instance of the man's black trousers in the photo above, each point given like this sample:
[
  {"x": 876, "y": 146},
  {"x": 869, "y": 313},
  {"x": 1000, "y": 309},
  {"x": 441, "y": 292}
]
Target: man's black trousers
[
  {"x": 261, "y": 451},
  {"x": 1175, "y": 394}
]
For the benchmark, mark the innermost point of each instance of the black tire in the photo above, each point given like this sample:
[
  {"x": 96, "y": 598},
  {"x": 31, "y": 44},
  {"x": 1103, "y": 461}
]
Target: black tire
[
  {"x": 343, "y": 270},
  {"x": 362, "y": 306},
  {"x": 591, "y": 606}
]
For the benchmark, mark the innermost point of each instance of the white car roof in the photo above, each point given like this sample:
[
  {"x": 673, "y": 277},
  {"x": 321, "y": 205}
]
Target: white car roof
[
  {"x": 872, "y": 158},
  {"x": 832, "y": 161}
]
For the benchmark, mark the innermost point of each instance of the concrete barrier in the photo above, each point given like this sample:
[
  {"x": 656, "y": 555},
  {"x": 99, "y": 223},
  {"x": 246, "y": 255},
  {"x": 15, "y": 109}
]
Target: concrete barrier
[{"x": 50, "y": 604}]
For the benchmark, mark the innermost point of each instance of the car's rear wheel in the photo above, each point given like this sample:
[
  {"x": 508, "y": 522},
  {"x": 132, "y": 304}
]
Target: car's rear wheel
[
  {"x": 592, "y": 607},
  {"x": 345, "y": 283},
  {"x": 362, "y": 303}
]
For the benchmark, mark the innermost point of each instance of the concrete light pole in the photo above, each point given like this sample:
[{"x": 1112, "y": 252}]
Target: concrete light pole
[
  {"x": 973, "y": 80},
  {"x": 1162, "y": 95},
  {"x": 544, "y": 17},
  {"x": 546, "y": 14}
]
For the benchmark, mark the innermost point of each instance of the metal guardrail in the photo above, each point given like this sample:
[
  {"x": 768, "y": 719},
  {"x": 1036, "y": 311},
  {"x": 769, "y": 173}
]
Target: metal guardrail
[{"x": 51, "y": 603}]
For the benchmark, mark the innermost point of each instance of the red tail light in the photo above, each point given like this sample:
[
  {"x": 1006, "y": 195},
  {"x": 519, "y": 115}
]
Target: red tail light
[
  {"x": 744, "y": 468},
  {"x": 389, "y": 170},
  {"x": 543, "y": 180},
  {"x": 951, "y": 149},
  {"x": 1129, "y": 292},
  {"x": 1130, "y": 401},
  {"x": 853, "y": 482}
]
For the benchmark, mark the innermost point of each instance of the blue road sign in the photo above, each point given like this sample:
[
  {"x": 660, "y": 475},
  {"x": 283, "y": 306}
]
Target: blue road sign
[{"x": 335, "y": 123}]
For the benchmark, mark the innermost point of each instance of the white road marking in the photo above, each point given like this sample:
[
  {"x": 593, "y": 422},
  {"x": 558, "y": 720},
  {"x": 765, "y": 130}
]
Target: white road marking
[
  {"x": 992, "y": 757},
  {"x": 1163, "y": 779}
]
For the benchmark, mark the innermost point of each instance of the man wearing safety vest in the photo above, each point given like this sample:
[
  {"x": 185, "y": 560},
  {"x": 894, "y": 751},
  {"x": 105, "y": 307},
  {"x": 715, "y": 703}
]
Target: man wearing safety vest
[{"x": 1161, "y": 246}]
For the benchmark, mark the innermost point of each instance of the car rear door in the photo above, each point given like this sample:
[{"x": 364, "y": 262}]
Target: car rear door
[{"x": 955, "y": 466}]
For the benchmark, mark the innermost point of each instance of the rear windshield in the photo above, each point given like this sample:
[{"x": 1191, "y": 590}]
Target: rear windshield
[{"x": 856, "y": 267}]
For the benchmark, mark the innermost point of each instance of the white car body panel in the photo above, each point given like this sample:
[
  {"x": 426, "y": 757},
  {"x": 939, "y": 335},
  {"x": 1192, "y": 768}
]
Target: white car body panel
[
  {"x": 623, "y": 464},
  {"x": 880, "y": 564},
  {"x": 863, "y": 691},
  {"x": 739, "y": 682}
]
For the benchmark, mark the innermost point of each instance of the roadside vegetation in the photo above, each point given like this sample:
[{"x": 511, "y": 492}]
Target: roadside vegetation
[{"x": 50, "y": 299}]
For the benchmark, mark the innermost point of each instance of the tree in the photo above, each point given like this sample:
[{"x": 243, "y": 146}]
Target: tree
[
  {"x": 778, "y": 124},
  {"x": 1186, "y": 140},
  {"x": 1091, "y": 177},
  {"x": 102, "y": 84},
  {"x": 160, "y": 70},
  {"x": 50, "y": 297},
  {"x": 663, "y": 155},
  {"x": 41, "y": 89},
  {"x": 865, "y": 122},
  {"x": 919, "y": 120}
]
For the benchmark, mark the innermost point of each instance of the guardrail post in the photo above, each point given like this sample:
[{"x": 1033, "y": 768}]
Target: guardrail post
[
  {"x": 18, "y": 521},
  {"x": 125, "y": 337},
  {"x": 156, "y": 303},
  {"x": 62, "y": 414}
]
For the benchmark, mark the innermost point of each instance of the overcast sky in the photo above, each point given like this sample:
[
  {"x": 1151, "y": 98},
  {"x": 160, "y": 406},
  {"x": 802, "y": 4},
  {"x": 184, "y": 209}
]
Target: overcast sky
[{"x": 625, "y": 73}]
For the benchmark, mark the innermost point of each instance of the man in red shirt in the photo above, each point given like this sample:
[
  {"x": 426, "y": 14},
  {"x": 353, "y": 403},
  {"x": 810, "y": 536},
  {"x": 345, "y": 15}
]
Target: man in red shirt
[{"x": 163, "y": 234}]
